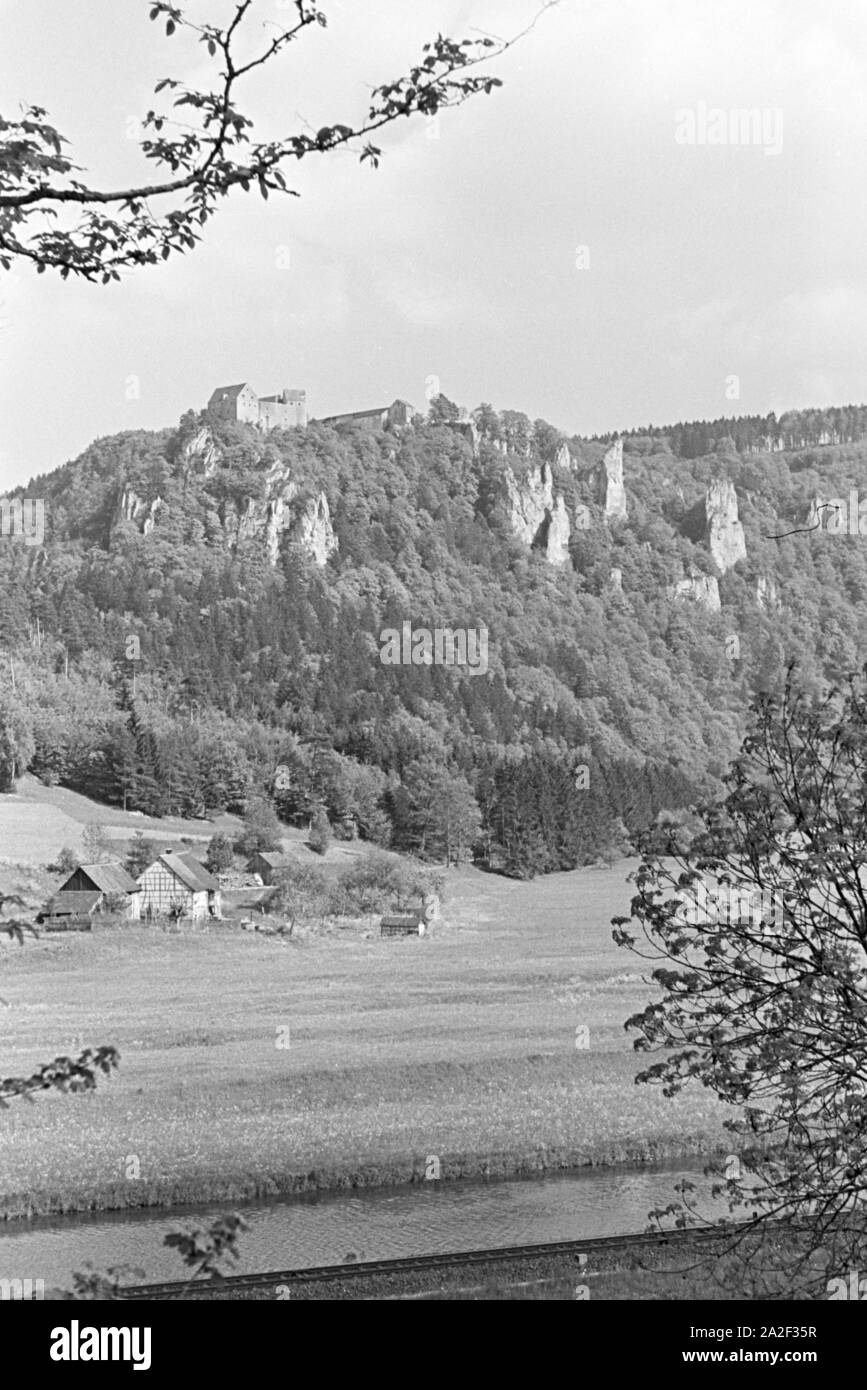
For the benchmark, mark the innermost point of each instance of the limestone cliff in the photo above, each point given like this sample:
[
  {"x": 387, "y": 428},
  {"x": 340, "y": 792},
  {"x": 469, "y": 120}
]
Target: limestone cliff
[
  {"x": 131, "y": 507},
  {"x": 307, "y": 525},
  {"x": 313, "y": 530},
  {"x": 610, "y": 492},
  {"x": 537, "y": 517},
  {"x": 766, "y": 594},
  {"x": 723, "y": 531},
  {"x": 557, "y": 533},
  {"x": 530, "y": 501},
  {"x": 201, "y": 452},
  {"x": 699, "y": 588}
]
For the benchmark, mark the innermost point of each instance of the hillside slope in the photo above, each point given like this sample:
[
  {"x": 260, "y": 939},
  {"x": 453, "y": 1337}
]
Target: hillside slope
[{"x": 209, "y": 614}]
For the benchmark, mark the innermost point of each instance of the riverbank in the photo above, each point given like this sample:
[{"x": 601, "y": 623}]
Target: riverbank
[
  {"x": 337, "y": 1229},
  {"x": 467, "y": 1168},
  {"x": 253, "y": 1067}
]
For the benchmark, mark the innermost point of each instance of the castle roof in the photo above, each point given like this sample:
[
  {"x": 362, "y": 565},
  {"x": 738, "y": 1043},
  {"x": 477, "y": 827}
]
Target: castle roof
[{"x": 228, "y": 393}]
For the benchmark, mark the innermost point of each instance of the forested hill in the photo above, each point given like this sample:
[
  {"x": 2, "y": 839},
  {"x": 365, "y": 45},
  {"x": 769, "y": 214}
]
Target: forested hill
[{"x": 205, "y": 619}]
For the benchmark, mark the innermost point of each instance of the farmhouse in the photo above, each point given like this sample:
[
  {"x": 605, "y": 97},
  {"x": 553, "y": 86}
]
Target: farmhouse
[
  {"x": 93, "y": 889},
  {"x": 267, "y": 863},
  {"x": 177, "y": 885}
]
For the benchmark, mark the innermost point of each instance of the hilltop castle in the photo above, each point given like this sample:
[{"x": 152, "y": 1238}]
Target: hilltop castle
[
  {"x": 289, "y": 410},
  {"x": 282, "y": 412}
]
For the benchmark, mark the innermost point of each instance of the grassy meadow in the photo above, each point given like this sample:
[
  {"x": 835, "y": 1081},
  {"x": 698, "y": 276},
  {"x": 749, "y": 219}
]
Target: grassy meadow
[{"x": 461, "y": 1045}]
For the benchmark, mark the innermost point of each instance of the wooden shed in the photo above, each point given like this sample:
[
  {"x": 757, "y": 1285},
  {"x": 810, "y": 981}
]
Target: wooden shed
[
  {"x": 96, "y": 888},
  {"x": 70, "y": 911},
  {"x": 177, "y": 885},
  {"x": 402, "y": 924},
  {"x": 267, "y": 863}
]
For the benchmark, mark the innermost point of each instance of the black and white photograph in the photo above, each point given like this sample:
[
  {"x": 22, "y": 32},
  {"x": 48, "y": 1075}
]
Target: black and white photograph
[{"x": 433, "y": 666}]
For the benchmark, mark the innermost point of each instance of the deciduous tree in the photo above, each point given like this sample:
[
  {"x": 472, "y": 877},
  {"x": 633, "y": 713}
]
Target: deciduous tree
[
  {"x": 758, "y": 924},
  {"x": 201, "y": 147}
]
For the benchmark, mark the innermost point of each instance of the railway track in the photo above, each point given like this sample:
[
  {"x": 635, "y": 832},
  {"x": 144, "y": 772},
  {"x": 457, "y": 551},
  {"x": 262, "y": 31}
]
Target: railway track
[{"x": 457, "y": 1259}]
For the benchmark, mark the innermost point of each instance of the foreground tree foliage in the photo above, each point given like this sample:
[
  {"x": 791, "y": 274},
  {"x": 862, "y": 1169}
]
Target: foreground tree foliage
[
  {"x": 202, "y": 147},
  {"x": 63, "y": 1074},
  {"x": 760, "y": 922},
  {"x": 206, "y": 1253}
]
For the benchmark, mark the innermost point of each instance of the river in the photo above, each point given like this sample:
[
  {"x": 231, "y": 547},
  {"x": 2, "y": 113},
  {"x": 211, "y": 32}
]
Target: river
[{"x": 367, "y": 1224}]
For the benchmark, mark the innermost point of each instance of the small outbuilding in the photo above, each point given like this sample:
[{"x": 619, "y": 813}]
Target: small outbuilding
[
  {"x": 69, "y": 912},
  {"x": 402, "y": 924},
  {"x": 92, "y": 889},
  {"x": 267, "y": 863}
]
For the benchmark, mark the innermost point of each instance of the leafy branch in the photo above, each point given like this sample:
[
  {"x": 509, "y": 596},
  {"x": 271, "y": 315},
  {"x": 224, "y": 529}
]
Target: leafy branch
[{"x": 206, "y": 160}]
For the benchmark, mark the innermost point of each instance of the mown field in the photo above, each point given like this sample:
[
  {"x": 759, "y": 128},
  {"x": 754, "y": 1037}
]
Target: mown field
[{"x": 460, "y": 1046}]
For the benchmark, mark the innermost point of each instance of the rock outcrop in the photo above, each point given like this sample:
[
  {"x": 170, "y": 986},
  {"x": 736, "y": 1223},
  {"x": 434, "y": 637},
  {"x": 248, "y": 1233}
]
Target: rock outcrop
[
  {"x": 723, "y": 531},
  {"x": 150, "y": 520},
  {"x": 557, "y": 533},
  {"x": 201, "y": 452},
  {"x": 308, "y": 525},
  {"x": 530, "y": 502},
  {"x": 832, "y": 514},
  {"x": 564, "y": 458},
  {"x": 313, "y": 531},
  {"x": 766, "y": 594},
  {"x": 615, "y": 579},
  {"x": 466, "y": 425},
  {"x": 537, "y": 517},
  {"x": 699, "y": 588},
  {"x": 610, "y": 492},
  {"x": 132, "y": 508}
]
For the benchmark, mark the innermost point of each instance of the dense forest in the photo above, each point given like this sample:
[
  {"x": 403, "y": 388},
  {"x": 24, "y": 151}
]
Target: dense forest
[
  {"x": 754, "y": 434},
  {"x": 156, "y": 654}
]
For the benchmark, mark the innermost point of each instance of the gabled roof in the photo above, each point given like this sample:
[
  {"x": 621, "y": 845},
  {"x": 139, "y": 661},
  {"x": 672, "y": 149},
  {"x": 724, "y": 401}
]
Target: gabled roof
[
  {"x": 228, "y": 393},
  {"x": 274, "y": 858},
  {"x": 191, "y": 873},
  {"x": 110, "y": 877},
  {"x": 62, "y": 904},
  {"x": 356, "y": 414}
]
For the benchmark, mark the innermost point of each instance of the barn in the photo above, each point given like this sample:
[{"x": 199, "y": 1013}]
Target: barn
[
  {"x": 177, "y": 885},
  {"x": 92, "y": 889}
]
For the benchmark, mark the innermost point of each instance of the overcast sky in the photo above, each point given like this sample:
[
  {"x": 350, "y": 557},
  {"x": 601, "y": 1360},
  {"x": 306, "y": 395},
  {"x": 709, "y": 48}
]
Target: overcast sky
[{"x": 459, "y": 258}]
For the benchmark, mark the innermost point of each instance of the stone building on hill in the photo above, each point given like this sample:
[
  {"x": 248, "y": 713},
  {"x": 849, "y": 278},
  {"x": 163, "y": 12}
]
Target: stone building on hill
[
  {"x": 399, "y": 414},
  {"x": 288, "y": 410}
]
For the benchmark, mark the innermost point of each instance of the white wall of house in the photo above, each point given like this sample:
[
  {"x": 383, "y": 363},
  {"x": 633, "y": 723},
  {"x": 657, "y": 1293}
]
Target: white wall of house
[{"x": 161, "y": 890}]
